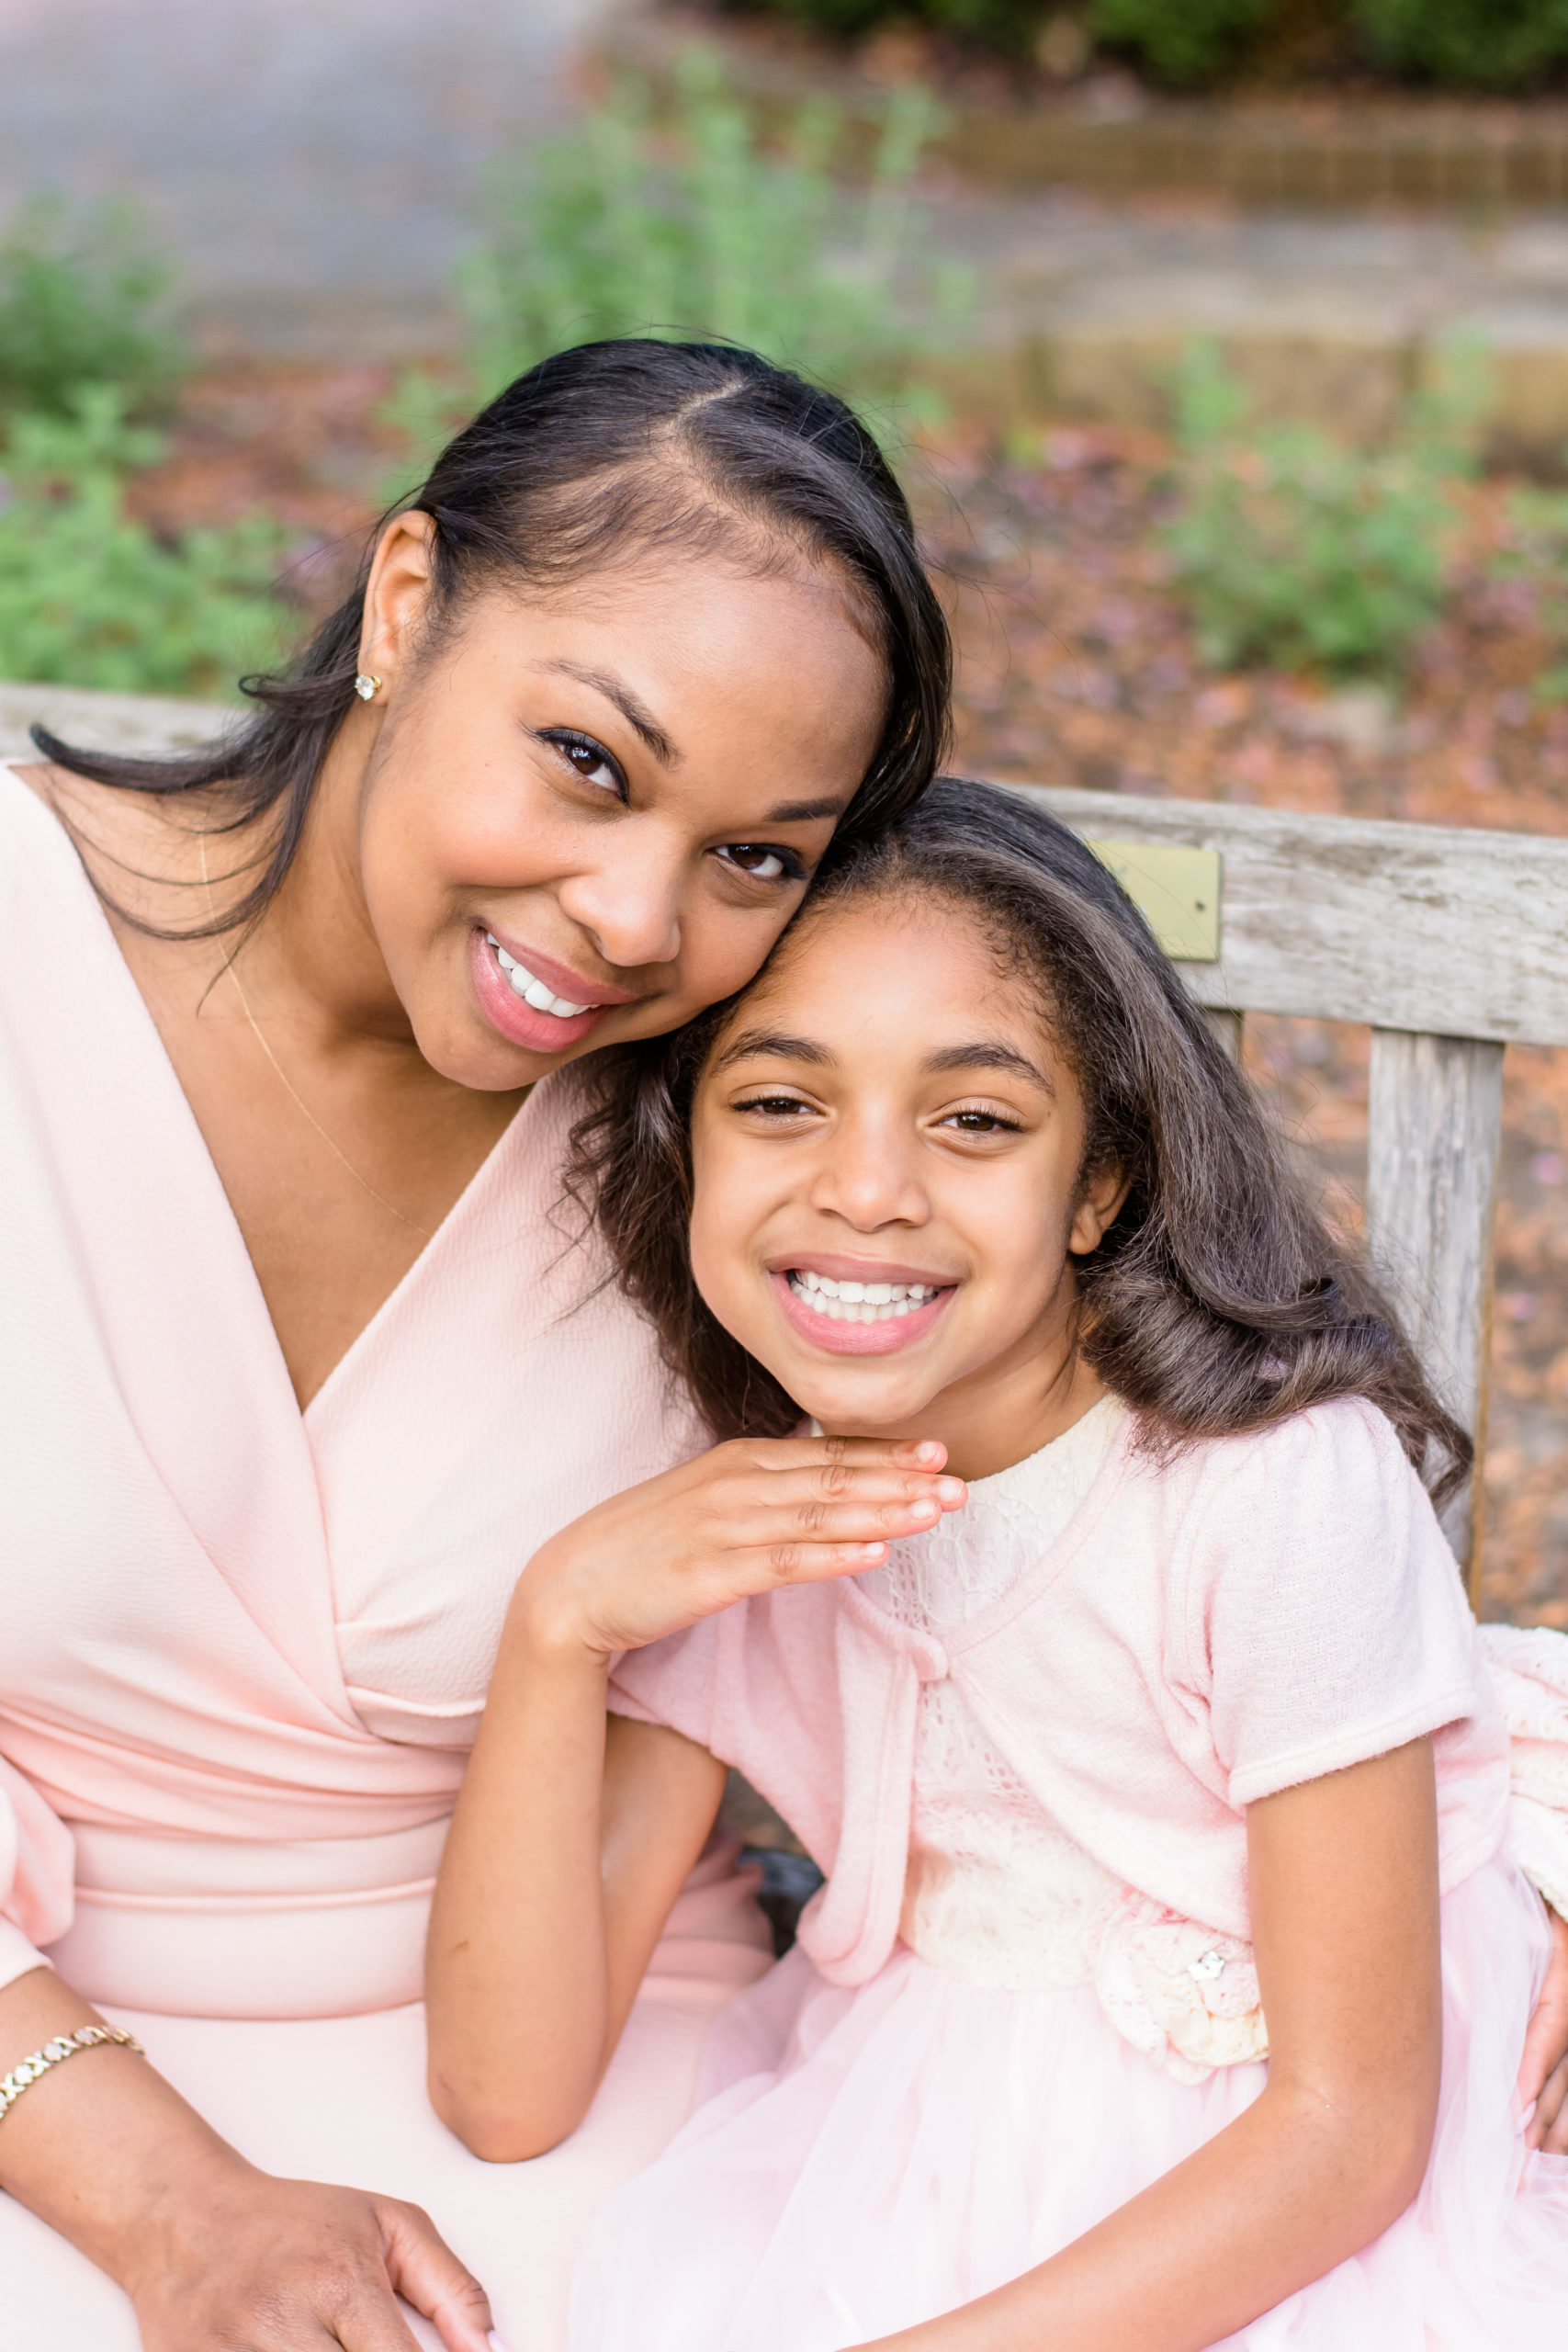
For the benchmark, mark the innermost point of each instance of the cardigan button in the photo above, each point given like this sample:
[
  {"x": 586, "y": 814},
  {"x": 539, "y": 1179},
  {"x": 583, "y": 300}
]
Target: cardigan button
[{"x": 927, "y": 1658}]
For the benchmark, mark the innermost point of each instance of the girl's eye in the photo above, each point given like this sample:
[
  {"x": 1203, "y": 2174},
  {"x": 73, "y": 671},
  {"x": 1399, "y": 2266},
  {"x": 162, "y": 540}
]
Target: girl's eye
[
  {"x": 763, "y": 861},
  {"x": 773, "y": 1106},
  {"x": 586, "y": 759},
  {"x": 981, "y": 1123}
]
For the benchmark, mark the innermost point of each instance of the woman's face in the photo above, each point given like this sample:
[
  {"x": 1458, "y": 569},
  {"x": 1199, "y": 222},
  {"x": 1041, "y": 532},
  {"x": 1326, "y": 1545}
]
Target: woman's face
[
  {"x": 887, "y": 1147},
  {"x": 583, "y": 820}
]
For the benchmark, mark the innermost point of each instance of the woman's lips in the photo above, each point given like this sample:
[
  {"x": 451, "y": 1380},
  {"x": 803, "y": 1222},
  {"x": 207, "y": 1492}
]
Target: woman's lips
[
  {"x": 520, "y": 1023},
  {"x": 841, "y": 1339}
]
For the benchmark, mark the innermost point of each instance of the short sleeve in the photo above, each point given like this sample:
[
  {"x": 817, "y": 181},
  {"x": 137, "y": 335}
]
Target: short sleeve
[
  {"x": 673, "y": 1682},
  {"x": 1327, "y": 1617},
  {"x": 38, "y": 1863}
]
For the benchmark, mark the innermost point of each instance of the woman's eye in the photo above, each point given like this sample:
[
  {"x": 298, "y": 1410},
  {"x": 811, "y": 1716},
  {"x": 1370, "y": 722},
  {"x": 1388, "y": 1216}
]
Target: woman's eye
[
  {"x": 587, "y": 759},
  {"x": 763, "y": 861}
]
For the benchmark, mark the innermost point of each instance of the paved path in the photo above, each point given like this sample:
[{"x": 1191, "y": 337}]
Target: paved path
[{"x": 310, "y": 161}]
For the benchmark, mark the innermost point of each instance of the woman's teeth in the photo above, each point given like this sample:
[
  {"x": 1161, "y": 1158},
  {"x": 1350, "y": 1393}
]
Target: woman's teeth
[
  {"x": 859, "y": 1302},
  {"x": 531, "y": 991}
]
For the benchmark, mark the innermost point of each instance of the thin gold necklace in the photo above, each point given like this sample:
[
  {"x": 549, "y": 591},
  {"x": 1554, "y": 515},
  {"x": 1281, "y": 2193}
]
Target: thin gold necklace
[{"x": 286, "y": 1082}]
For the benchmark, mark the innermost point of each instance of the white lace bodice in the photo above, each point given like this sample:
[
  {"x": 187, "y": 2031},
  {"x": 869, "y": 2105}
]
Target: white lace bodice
[{"x": 996, "y": 1893}]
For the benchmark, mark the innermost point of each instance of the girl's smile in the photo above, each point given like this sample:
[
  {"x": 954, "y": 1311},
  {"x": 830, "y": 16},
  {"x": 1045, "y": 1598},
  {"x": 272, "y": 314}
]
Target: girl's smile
[
  {"x": 870, "y": 1311},
  {"x": 887, "y": 1151}
]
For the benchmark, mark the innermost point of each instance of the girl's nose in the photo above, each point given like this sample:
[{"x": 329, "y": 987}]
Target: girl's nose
[
  {"x": 865, "y": 1178},
  {"x": 630, "y": 909}
]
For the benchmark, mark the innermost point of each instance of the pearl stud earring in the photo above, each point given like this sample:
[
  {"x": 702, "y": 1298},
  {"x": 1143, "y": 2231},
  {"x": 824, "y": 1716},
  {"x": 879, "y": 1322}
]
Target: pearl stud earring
[{"x": 366, "y": 687}]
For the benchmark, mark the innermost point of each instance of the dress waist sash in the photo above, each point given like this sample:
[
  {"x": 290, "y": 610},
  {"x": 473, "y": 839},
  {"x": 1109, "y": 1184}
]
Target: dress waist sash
[{"x": 210, "y": 1927}]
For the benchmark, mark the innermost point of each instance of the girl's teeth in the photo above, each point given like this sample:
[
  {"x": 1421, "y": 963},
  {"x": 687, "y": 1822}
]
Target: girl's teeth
[
  {"x": 532, "y": 992},
  {"x": 850, "y": 1302}
]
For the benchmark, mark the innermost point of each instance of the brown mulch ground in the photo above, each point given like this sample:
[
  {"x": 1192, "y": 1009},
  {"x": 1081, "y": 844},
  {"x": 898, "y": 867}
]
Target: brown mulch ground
[{"x": 1076, "y": 666}]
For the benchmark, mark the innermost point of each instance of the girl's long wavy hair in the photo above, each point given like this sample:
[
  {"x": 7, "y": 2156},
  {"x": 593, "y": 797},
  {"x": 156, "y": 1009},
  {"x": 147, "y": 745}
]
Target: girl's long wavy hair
[
  {"x": 1219, "y": 1301},
  {"x": 608, "y": 453}
]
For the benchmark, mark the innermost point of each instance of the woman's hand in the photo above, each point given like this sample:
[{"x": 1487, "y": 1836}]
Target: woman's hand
[
  {"x": 215, "y": 2255},
  {"x": 1543, "y": 2070},
  {"x": 253, "y": 2264},
  {"x": 740, "y": 1520}
]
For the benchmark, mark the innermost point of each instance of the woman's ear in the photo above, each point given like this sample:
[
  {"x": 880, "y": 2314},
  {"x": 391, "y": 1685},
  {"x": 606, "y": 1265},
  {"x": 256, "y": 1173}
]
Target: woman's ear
[
  {"x": 1099, "y": 1204},
  {"x": 397, "y": 595}
]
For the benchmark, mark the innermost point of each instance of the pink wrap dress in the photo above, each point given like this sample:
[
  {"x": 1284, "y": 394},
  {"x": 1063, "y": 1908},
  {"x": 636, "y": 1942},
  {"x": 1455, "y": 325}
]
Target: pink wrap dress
[{"x": 245, "y": 1648}]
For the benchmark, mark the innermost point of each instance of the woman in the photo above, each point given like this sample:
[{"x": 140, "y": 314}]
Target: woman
[{"x": 297, "y": 1367}]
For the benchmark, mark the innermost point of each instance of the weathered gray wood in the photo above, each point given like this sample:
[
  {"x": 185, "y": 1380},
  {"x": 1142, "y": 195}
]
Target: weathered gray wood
[
  {"x": 1421, "y": 927},
  {"x": 1226, "y": 1028},
  {"x": 1435, "y": 1126},
  {"x": 107, "y": 722}
]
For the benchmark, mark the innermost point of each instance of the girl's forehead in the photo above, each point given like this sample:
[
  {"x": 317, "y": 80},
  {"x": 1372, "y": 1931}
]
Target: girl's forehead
[{"x": 911, "y": 956}]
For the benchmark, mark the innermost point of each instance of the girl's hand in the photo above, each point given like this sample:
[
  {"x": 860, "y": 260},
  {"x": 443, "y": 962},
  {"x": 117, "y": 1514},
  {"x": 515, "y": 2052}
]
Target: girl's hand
[
  {"x": 740, "y": 1520},
  {"x": 1543, "y": 2070}
]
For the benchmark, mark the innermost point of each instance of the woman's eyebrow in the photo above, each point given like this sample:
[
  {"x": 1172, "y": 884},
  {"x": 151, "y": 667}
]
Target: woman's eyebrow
[
  {"x": 633, "y": 709},
  {"x": 802, "y": 812},
  {"x": 988, "y": 1053},
  {"x": 751, "y": 1043}
]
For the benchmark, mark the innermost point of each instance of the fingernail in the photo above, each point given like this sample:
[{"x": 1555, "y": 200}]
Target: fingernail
[
  {"x": 928, "y": 1452},
  {"x": 951, "y": 1489},
  {"x": 496, "y": 2345}
]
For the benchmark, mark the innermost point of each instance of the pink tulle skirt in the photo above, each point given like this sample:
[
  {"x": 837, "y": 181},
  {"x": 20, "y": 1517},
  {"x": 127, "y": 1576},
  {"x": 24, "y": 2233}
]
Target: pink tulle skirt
[{"x": 871, "y": 2158}]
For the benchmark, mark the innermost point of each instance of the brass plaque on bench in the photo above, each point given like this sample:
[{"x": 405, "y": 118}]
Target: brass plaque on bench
[{"x": 1176, "y": 890}]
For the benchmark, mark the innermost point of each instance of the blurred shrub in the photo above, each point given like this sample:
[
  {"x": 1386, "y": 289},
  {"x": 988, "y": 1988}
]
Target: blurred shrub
[
  {"x": 1486, "y": 44},
  {"x": 1535, "y": 553},
  {"x": 678, "y": 221},
  {"x": 1294, "y": 550},
  {"x": 89, "y": 596},
  {"x": 84, "y": 299},
  {"x": 1475, "y": 44},
  {"x": 1182, "y": 42}
]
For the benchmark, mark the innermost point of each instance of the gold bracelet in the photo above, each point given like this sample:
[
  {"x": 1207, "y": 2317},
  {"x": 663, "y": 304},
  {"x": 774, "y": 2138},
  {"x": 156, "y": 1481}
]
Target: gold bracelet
[{"x": 65, "y": 2045}]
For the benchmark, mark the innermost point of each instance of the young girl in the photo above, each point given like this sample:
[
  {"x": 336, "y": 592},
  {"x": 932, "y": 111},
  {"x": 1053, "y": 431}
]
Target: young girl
[{"x": 1172, "y": 1972}]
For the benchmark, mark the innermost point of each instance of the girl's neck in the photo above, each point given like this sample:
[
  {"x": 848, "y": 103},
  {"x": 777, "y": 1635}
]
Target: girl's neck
[{"x": 986, "y": 1425}]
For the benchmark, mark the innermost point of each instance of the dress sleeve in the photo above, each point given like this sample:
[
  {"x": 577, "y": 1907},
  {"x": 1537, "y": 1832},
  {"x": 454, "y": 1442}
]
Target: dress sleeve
[
  {"x": 1529, "y": 1674},
  {"x": 672, "y": 1682},
  {"x": 1325, "y": 1618},
  {"x": 38, "y": 1863}
]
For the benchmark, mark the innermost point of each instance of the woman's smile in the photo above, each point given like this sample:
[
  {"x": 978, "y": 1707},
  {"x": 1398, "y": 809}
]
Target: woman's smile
[{"x": 527, "y": 1001}]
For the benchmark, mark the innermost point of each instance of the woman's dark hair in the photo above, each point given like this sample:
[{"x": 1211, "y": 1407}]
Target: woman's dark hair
[
  {"x": 619, "y": 446},
  {"x": 1218, "y": 1301}
]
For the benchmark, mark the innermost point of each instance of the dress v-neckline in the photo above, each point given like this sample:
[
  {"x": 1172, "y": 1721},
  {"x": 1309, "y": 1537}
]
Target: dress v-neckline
[{"x": 442, "y": 1237}]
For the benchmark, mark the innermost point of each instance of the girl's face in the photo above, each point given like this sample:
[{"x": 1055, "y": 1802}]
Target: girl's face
[
  {"x": 887, "y": 1147},
  {"x": 585, "y": 819}
]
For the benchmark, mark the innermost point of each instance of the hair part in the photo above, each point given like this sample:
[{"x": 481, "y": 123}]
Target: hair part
[
  {"x": 1218, "y": 1301},
  {"x": 661, "y": 450}
]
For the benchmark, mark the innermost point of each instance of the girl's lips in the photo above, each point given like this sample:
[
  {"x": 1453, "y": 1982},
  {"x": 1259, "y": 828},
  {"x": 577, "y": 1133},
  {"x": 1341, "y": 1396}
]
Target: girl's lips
[
  {"x": 537, "y": 1033},
  {"x": 854, "y": 1339}
]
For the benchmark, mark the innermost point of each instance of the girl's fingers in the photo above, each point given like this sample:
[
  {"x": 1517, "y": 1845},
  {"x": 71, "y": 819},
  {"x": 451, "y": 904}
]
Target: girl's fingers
[
  {"x": 822, "y": 1485},
  {"x": 925, "y": 1454}
]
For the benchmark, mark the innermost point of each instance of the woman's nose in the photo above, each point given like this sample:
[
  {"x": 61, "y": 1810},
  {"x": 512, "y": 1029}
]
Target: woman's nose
[{"x": 631, "y": 907}]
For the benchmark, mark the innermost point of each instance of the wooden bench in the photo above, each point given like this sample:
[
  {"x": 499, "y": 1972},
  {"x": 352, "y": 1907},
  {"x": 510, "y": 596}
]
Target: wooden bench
[{"x": 1449, "y": 945}]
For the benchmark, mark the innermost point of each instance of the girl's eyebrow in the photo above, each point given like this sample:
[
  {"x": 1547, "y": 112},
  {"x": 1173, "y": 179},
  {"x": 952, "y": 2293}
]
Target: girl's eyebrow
[
  {"x": 775, "y": 1042},
  {"x": 990, "y": 1052}
]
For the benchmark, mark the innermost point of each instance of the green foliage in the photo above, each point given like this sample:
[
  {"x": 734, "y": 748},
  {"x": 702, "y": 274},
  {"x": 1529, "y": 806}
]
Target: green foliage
[
  {"x": 1482, "y": 44},
  {"x": 1294, "y": 550},
  {"x": 1535, "y": 551},
  {"x": 89, "y": 596},
  {"x": 1182, "y": 42},
  {"x": 681, "y": 222},
  {"x": 84, "y": 299},
  {"x": 1001, "y": 24}
]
